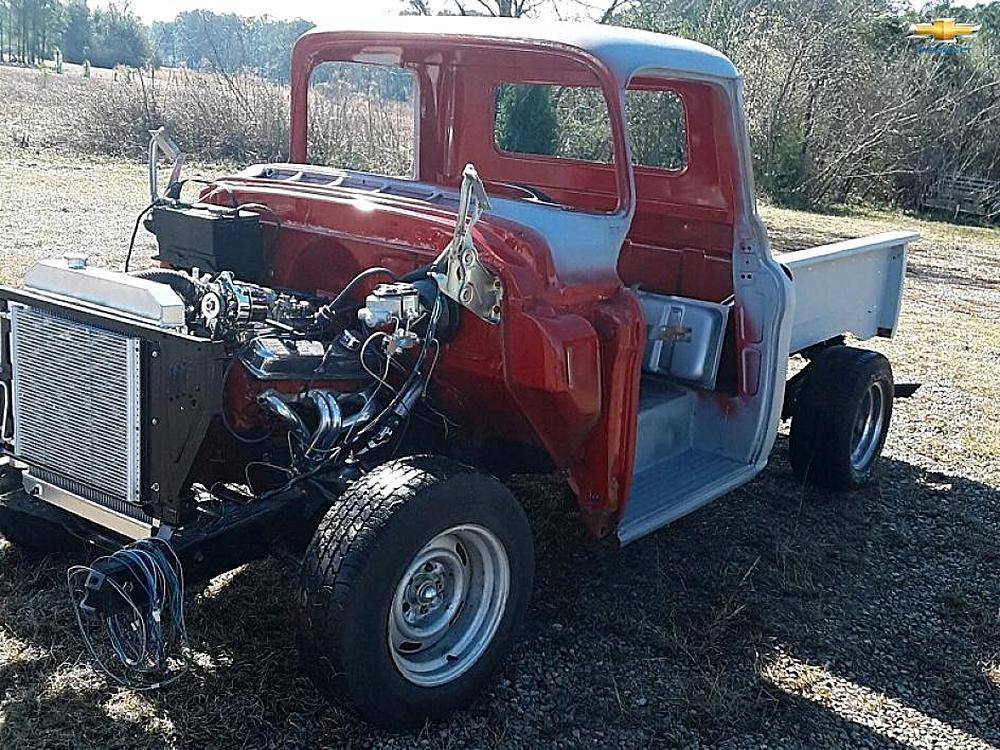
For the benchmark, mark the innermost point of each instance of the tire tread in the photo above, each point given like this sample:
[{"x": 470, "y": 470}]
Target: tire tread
[
  {"x": 336, "y": 557},
  {"x": 824, "y": 413}
]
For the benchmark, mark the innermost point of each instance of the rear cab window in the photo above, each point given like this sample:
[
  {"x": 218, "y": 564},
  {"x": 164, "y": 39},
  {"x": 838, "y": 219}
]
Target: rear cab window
[{"x": 563, "y": 122}]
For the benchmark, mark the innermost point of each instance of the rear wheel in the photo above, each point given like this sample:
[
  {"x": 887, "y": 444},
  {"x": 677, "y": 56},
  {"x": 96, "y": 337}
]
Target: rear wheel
[
  {"x": 841, "y": 418},
  {"x": 412, "y": 588}
]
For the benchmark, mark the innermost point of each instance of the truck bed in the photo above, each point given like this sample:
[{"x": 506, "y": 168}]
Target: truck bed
[{"x": 854, "y": 286}]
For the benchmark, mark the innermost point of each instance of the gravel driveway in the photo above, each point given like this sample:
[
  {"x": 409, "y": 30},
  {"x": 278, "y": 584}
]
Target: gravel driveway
[{"x": 779, "y": 616}]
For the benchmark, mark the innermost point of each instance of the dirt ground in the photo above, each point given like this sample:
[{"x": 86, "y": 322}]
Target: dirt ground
[{"x": 779, "y": 616}]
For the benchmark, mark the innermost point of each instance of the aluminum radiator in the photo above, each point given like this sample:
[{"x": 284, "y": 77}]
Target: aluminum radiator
[{"x": 76, "y": 399}]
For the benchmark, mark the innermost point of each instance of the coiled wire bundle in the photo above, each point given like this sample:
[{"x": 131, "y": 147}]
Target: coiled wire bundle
[{"x": 139, "y": 639}]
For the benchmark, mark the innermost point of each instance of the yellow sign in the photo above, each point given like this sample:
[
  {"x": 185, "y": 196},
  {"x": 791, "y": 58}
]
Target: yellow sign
[{"x": 944, "y": 30}]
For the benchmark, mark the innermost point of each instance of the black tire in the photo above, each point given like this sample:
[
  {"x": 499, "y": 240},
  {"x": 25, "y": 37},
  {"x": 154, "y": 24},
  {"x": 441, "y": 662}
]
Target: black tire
[
  {"x": 824, "y": 444},
  {"x": 35, "y": 536},
  {"x": 352, "y": 578}
]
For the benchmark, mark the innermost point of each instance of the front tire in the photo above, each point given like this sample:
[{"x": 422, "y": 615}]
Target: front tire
[
  {"x": 36, "y": 537},
  {"x": 841, "y": 418},
  {"x": 412, "y": 588}
]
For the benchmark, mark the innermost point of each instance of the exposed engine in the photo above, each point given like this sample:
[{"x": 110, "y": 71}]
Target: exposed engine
[
  {"x": 323, "y": 371},
  {"x": 304, "y": 384},
  {"x": 338, "y": 376}
]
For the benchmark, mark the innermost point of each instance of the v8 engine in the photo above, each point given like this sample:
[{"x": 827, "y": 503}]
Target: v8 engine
[{"x": 303, "y": 385}]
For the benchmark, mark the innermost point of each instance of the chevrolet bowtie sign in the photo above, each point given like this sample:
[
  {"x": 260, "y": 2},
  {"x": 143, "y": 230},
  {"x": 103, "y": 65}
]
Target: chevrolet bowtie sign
[{"x": 943, "y": 31}]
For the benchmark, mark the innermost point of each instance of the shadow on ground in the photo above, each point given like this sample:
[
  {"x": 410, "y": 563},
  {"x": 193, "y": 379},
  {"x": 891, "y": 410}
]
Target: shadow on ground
[{"x": 779, "y": 616}]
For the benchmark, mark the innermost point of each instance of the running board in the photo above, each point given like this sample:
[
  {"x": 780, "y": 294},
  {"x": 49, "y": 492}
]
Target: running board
[{"x": 665, "y": 491}]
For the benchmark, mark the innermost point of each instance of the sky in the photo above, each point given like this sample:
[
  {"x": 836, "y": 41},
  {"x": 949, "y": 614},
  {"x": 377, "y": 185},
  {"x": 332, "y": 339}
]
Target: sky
[{"x": 318, "y": 11}]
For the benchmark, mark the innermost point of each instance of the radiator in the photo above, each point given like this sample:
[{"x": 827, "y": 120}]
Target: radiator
[{"x": 76, "y": 398}]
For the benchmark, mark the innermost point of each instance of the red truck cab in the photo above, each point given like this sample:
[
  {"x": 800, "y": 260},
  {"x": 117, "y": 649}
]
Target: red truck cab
[{"x": 571, "y": 239}]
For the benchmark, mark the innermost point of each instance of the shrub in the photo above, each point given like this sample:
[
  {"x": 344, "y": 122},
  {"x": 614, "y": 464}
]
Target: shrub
[
  {"x": 245, "y": 118},
  {"x": 213, "y": 117}
]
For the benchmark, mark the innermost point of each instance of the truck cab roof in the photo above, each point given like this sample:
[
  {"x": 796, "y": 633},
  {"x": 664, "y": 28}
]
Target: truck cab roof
[{"x": 623, "y": 52}]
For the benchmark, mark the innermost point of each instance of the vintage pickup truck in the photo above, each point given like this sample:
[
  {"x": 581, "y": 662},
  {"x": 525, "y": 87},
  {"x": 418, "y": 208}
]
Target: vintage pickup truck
[{"x": 570, "y": 275}]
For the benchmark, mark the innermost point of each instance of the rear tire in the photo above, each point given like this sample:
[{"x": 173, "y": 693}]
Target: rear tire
[
  {"x": 411, "y": 590},
  {"x": 841, "y": 418}
]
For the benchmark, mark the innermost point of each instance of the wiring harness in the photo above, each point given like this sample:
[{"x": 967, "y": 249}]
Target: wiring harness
[{"x": 139, "y": 637}]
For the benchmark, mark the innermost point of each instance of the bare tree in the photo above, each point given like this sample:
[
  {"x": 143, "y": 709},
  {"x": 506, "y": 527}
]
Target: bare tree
[
  {"x": 602, "y": 11},
  {"x": 417, "y": 8},
  {"x": 496, "y": 8}
]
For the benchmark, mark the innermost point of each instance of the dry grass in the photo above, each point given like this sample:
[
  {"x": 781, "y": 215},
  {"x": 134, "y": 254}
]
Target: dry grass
[
  {"x": 779, "y": 616},
  {"x": 243, "y": 118},
  {"x": 212, "y": 117},
  {"x": 42, "y": 110}
]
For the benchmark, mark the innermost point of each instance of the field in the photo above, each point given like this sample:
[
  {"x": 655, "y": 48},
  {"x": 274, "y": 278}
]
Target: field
[{"x": 779, "y": 616}]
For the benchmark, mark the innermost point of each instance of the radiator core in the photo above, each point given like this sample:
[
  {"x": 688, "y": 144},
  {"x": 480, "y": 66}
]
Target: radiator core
[{"x": 76, "y": 395}]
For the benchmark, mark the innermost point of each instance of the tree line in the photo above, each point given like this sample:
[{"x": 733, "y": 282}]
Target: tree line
[
  {"x": 34, "y": 30},
  {"x": 31, "y": 31},
  {"x": 227, "y": 43},
  {"x": 842, "y": 106},
  {"x": 29, "y": 28}
]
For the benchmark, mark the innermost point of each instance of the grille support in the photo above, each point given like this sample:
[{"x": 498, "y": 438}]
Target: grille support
[
  {"x": 76, "y": 401},
  {"x": 112, "y": 411}
]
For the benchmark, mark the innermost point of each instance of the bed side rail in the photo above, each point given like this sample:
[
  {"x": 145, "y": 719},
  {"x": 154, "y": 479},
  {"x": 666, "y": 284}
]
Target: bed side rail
[{"x": 854, "y": 286}]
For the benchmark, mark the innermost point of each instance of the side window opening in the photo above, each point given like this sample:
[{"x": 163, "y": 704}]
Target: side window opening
[
  {"x": 657, "y": 124},
  {"x": 362, "y": 116}
]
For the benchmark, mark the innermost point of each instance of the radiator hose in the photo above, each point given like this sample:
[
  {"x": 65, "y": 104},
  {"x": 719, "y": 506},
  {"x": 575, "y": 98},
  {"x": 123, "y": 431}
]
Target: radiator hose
[{"x": 183, "y": 284}]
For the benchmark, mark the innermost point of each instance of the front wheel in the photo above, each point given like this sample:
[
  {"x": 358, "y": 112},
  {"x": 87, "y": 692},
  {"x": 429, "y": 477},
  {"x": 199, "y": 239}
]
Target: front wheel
[{"x": 412, "y": 588}]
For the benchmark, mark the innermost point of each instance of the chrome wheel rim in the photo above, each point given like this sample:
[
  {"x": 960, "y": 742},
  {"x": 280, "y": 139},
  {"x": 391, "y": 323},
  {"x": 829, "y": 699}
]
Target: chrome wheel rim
[
  {"x": 448, "y": 605},
  {"x": 868, "y": 425}
]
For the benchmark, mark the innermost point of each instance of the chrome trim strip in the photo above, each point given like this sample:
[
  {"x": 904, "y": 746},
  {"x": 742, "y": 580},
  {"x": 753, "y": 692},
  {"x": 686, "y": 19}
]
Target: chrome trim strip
[
  {"x": 105, "y": 517},
  {"x": 14, "y": 386}
]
